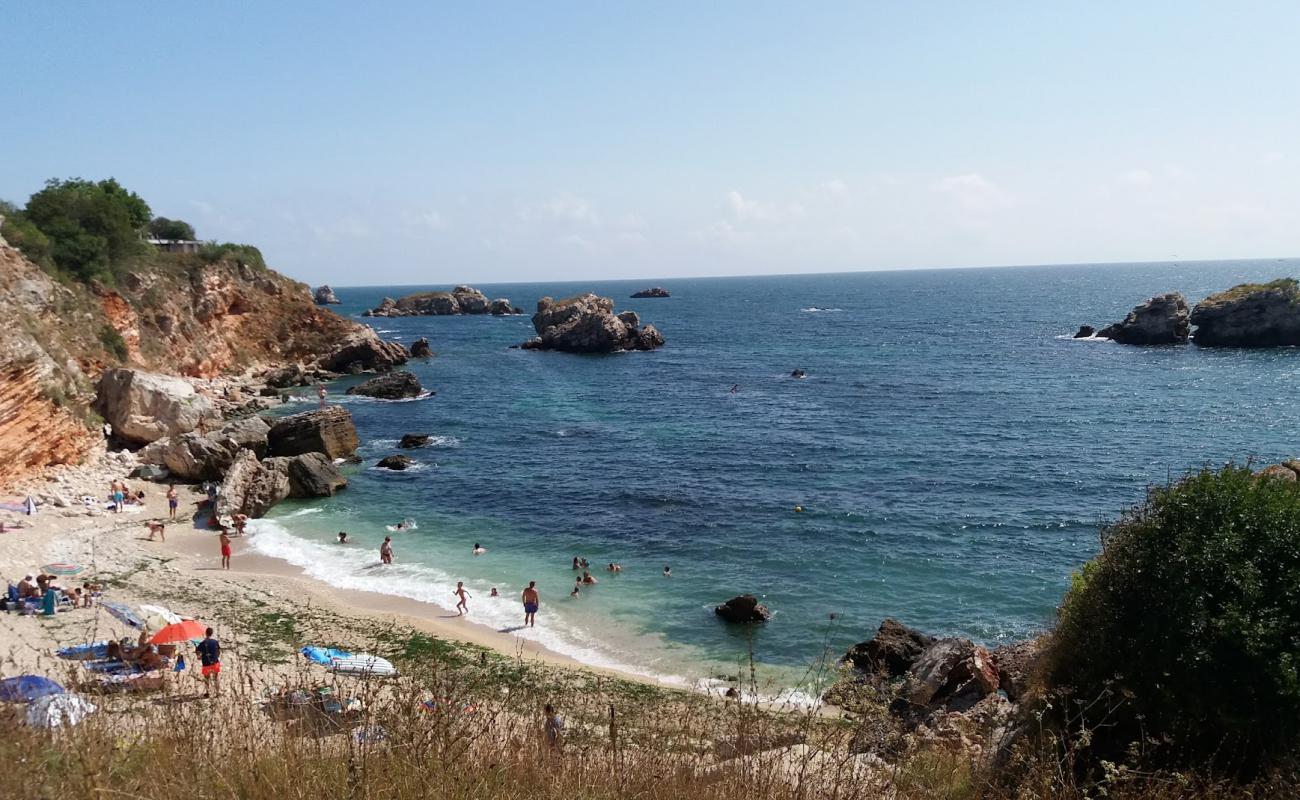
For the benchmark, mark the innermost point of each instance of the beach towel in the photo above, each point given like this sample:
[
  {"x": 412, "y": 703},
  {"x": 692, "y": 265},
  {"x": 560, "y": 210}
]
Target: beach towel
[{"x": 325, "y": 656}]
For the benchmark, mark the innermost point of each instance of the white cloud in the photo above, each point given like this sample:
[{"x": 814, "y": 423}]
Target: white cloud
[
  {"x": 744, "y": 210},
  {"x": 973, "y": 192},
  {"x": 566, "y": 206},
  {"x": 836, "y": 188},
  {"x": 577, "y": 242}
]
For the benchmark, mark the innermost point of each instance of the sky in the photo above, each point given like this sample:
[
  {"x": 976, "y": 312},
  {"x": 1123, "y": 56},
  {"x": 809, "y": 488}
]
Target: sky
[{"x": 431, "y": 143}]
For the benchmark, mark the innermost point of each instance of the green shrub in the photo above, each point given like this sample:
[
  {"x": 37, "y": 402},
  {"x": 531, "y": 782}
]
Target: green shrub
[
  {"x": 1181, "y": 641},
  {"x": 94, "y": 228},
  {"x": 212, "y": 252},
  {"x": 113, "y": 342},
  {"x": 20, "y": 232},
  {"x": 163, "y": 228}
]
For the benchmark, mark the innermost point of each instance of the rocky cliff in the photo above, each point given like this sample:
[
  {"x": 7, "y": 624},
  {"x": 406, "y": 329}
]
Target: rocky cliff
[{"x": 176, "y": 316}]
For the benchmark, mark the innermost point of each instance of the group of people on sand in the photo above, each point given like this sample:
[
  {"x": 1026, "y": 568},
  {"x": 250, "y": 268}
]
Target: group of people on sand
[
  {"x": 121, "y": 496},
  {"x": 82, "y": 596}
]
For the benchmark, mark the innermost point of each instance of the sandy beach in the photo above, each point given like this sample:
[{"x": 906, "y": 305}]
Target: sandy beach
[{"x": 184, "y": 573}]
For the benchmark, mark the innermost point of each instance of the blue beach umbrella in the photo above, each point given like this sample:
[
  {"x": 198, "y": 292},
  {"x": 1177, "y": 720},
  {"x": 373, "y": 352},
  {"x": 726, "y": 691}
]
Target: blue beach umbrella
[
  {"x": 26, "y": 688},
  {"x": 124, "y": 613}
]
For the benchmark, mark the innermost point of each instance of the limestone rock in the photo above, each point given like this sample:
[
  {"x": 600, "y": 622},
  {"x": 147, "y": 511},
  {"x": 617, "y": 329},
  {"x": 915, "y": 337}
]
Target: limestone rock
[
  {"x": 1282, "y": 471},
  {"x": 587, "y": 324},
  {"x": 144, "y": 407},
  {"x": 393, "y": 386},
  {"x": 413, "y": 440},
  {"x": 891, "y": 652},
  {"x": 954, "y": 674},
  {"x": 1163, "y": 319},
  {"x": 397, "y": 462},
  {"x": 1015, "y": 664},
  {"x": 326, "y": 430},
  {"x": 324, "y": 296},
  {"x": 364, "y": 352},
  {"x": 742, "y": 609},
  {"x": 460, "y": 300},
  {"x": 252, "y": 487},
  {"x": 657, "y": 291},
  {"x": 194, "y": 457},
  {"x": 1250, "y": 315},
  {"x": 314, "y": 475},
  {"x": 420, "y": 348}
]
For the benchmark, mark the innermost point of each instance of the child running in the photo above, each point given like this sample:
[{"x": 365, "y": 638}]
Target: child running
[{"x": 462, "y": 607}]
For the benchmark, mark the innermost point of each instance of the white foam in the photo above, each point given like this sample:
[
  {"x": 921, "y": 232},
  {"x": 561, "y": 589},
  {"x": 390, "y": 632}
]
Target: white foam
[
  {"x": 361, "y": 398},
  {"x": 819, "y": 310},
  {"x": 302, "y": 512},
  {"x": 355, "y": 568},
  {"x": 1093, "y": 338}
]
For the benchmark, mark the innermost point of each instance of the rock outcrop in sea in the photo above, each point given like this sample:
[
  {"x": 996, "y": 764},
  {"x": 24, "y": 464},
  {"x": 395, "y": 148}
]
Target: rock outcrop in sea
[
  {"x": 325, "y": 296},
  {"x": 460, "y": 300},
  {"x": 1163, "y": 319},
  {"x": 412, "y": 440},
  {"x": 326, "y": 430},
  {"x": 743, "y": 609},
  {"x": 420, "y": 348},
  {"x": 1250, "y": 315},
  {"x": 394, "y": 462},
  {"x": 390, "y": 386},
  {"x": 587, "y": 324},
  {"x": 657, "y": 291},
  {"x": 364, "y": 353}
]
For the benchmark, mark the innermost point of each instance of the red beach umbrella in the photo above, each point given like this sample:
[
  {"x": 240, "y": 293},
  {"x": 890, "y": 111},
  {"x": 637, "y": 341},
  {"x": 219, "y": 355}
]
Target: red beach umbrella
[{"x": 187, "y": 630}]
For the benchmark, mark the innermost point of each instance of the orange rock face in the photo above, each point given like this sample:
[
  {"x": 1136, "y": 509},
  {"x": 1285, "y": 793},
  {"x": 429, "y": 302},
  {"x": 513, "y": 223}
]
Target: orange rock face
[{"x": 34, "y": 432}]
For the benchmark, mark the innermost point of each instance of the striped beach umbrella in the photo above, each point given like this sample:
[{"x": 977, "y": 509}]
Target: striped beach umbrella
[{"x": 62, "y": 569}]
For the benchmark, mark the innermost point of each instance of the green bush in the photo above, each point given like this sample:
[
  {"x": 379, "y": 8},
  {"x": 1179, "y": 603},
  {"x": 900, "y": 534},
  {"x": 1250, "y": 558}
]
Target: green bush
[
  {"x": 113, "y": 342},
  {"x": 212, "y": 252},
  {"x": 20, "y": 232},
  {"x": 1181, "y": 641},
  {"x": 94, "y": 228},
  {"x": 163, "y": 228}
]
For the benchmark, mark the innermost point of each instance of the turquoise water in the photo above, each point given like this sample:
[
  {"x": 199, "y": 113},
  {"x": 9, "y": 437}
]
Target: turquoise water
[{"x": 953, "y": 450}]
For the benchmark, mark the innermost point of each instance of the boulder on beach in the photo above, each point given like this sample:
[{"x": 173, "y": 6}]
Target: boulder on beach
[
  {"x": 253, "y": 487},
  {"x": 392, "y": 386},
  {"x": 420, "y": 348},
  {"x": 891, "y": 652},
  {"x": 314, "y": 475},
  {"x": 205, "y": 457},
  {"x": 1250, "y": 315},
  {"x": 1163, "y": 319},
  {"x": 743, "y": 608},
  {"x": 395, "y": 462},
  {"x": 144, "y": 407},
  {"x": 657, "y": 291},
  {"x": 587, "y": 324},
  {"x": 324, "y": 296},
  {"x": 413, "y": 440},
  {"x": 326, "y": 430}
]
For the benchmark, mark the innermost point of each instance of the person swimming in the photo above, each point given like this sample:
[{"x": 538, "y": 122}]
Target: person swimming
[
  {"x": 343, "y": 537},
  {"x": 668, "y": 571},
  {"x": 479, "y": 549},
  {"x": 588, "y": 578},
  {"x": 577, "y": 588},
  {"x": 576, "y": 565},
  {"x": 614, "y": 567},
  {"x": 493, "y": 593}
]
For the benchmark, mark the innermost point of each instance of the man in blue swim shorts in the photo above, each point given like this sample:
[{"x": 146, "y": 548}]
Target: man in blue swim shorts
[{"x": 531, "y": 601}]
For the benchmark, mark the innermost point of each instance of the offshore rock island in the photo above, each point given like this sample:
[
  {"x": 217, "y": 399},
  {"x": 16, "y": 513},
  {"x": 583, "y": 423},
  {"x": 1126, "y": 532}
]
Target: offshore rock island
[
  {"x": 587, "y": 323},
  {"x": 1247, "y": 315},
  {"x": 460, "y": 300}
]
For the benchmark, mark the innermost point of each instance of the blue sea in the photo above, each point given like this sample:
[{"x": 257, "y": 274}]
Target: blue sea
[{"x": 953, "y": 451}]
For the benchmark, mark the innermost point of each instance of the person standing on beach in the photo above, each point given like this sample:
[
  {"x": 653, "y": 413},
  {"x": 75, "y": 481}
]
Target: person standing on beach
[
  {"x": 386, "y": 550},
  {"x": 172, "y": 500},
  {"x": 320, "y": 392},
  {"x": 119, "y": 496},
  {"x": 225, "y": 549},
  {"x": 462, "y": 607},
  {"x": 531, "y": 602},
  {"x": 209, "y": 653}
]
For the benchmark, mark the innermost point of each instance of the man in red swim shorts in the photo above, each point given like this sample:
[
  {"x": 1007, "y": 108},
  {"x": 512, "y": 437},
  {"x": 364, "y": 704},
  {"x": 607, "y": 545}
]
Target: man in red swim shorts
[{"x": 209, "y": 653}]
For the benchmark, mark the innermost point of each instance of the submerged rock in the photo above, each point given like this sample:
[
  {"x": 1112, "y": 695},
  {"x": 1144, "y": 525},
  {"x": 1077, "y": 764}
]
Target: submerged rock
[
  {"x": 393, "y": 386},
  {"x": 1085, "y": 332},
  {"x": 327, "y": 430},
  {"x": 587, "y": 324},
  {"x": 324, "y": 296},
  {"x": 657, "y": 291},
  {"x": 743, "y": 609},
  {"x": 420, "y": 348},
  {"x": 1163, "y": 319},
  {"x": 396, "y": 462},
  {"x": 413, "y": 440},
  {"x": 1250, "y": 315}
]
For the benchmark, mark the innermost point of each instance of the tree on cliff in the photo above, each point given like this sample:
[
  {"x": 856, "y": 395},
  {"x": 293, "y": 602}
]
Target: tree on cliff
[
  {"x": 163, "y": 228},
  {"x": 93, "y": 227},
  {"x": 1182, "y": 639}
]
